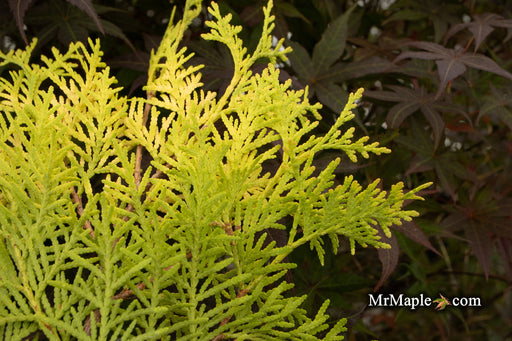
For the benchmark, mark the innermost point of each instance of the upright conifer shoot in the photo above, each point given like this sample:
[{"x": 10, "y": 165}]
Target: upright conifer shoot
[{"x": 175, "y": 251}]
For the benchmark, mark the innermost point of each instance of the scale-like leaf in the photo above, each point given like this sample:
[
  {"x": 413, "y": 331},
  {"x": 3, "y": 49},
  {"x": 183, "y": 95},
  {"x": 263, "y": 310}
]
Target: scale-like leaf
[{"x": 172, "y": 253}]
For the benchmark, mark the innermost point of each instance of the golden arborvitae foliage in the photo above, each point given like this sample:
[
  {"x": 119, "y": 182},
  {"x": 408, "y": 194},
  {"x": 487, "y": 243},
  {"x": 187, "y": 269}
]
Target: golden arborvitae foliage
[{"x": 96, "y": 246}]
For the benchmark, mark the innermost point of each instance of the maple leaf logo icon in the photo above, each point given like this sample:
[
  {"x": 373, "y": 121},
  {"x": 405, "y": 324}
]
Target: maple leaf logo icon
[{"x": 442, "y": 302}]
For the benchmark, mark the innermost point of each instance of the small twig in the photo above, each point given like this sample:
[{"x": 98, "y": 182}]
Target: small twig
[
  {"x": 219, "y": 337},
  {"x": 80, "y": 211},
  {"x": 138, "y": 154},
  {"x": 87, "y": 324},
  {"x": 468, "y": 44},
  {"x": 228, "y": 228},
  {"x": 126, "y": 293},
  {"x": 158, "y": 174}
]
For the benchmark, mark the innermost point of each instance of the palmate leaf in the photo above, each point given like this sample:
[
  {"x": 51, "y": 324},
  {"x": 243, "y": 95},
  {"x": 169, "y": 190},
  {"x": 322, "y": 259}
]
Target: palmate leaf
[
  {"x": 87, "y": 7},
  {"x": 389, "y": 257},
  {"x": 385, "y": 48},
  {"x": 497, "y": 105},
  {"x": 328, "y": 8},
  {"x": 325, "y": 53},
  {"x": 481, "y": 26},
  {"x": 441, "y": 15},
  {"x": 73, "y": 24},
  {"x": 481, "y": 243},
  {"x": 332, "y": 44},
  {"x": 332, "y": 95},
  {"x": 505, "y": 250},
  {"x": 419, "y": 69},
  {"x": 137, "y": 60},
  {"x": 410, "y": 101},
  {"x": 322, "y": 74},
  {"x": 341, "y": 71},
  {"x": 289, "y": 10},
  {"x": 218, "y": 69},
  {"x": 485, "y": 219},
  {"x": 412, "y": 231},
  {"x": 301, "y": 62},
  {"x": 452, "y": 63},
  {"x": 446, "y": 165},
  {"x": 19, "y": 8}
]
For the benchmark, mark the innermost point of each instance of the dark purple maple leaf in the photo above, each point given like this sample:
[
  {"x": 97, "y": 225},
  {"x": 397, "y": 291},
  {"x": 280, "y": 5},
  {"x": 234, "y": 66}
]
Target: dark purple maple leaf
[
  {"x": 87, "y": 7},
  {"x": 411, "y": 100},
  {"x": 388, "y": 258},
  {"x": 323, "y": 71},
  {"x": 18, "y": 8},
  {"x": 451, "y": 63},
  {"x": 498, "y": 104},
  {"x": 485, "y": 219},
  {"x": 481, "y": 26}
]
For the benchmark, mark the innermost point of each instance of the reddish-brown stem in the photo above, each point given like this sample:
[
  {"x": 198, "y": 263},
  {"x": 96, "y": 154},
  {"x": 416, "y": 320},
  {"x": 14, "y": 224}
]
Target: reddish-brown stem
[
  {"x": 158, "y": 174},
  {"x": 87, "y": 324},
  {"x": 468, "y": 44},
  {"x": 229, "y": 231},
  {"x": 125, "y": 293},
  {"x": 219, "y": 337},
  {"x": 80, "y": 211},
  {"x": 138, "y": 153}
]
